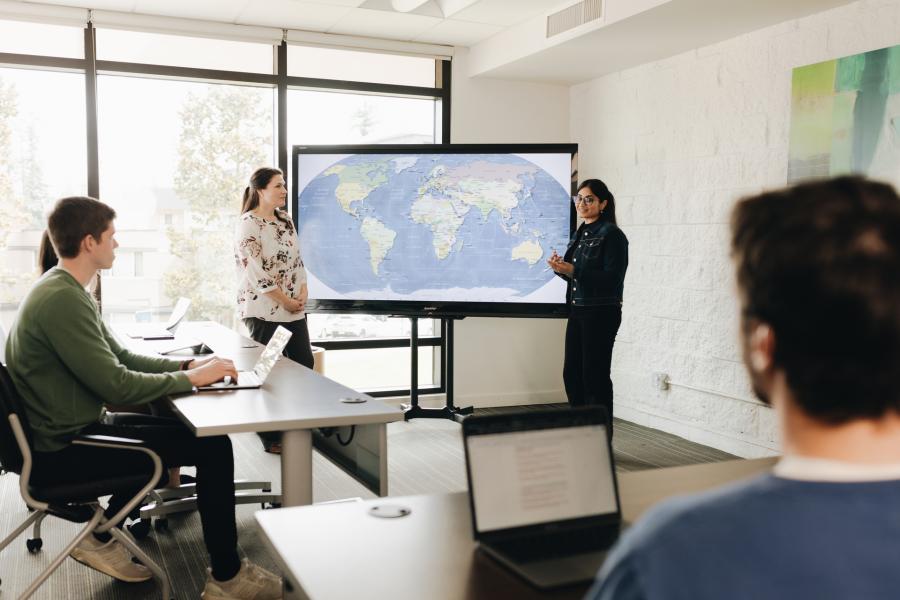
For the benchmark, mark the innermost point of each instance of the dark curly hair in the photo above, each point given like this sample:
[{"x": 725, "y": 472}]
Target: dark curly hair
[{"x": 820, "y": 264}]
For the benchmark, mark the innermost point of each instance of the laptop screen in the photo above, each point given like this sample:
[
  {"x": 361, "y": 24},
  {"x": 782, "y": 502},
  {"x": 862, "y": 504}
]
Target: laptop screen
[
  {"x": 178, "y": 313},
  {"x": 270, "y": 355},
  {"x": 521, "y": 478}
]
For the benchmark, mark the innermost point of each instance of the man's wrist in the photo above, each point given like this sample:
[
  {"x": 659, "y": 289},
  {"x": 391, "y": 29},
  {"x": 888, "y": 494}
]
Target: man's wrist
[{"x": 186, "y": 364}]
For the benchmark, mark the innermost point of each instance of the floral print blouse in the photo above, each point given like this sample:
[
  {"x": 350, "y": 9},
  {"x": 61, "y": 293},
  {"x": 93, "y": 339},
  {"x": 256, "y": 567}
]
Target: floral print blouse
[{"x": 268, "y": 257}]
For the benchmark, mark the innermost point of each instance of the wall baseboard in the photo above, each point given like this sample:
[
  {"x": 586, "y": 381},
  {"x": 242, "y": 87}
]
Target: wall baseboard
[
  {"x": 713, "y": 439},
  {"x": 486, "y": 400}
]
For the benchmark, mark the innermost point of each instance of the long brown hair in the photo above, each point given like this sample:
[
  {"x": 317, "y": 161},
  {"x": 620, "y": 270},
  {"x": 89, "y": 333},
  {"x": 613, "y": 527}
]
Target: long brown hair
[
  {"x": 259, "y": 181},
  {"x": 46, "y": 254}
]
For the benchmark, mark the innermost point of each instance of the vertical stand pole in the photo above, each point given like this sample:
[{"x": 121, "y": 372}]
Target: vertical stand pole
[
  {"x": 448, "y": 411},
  {"x": 414, "y": 362}
]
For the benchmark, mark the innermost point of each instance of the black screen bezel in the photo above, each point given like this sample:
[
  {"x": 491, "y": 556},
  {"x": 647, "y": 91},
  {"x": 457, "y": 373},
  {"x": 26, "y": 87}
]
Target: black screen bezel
[
  {"x": 534, "y": 420},
  {"x": 432, "y": 309}
]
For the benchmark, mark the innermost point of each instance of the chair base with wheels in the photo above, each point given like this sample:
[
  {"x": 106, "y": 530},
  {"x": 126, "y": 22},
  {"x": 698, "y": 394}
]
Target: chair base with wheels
[{"x": 163, "y": 502}]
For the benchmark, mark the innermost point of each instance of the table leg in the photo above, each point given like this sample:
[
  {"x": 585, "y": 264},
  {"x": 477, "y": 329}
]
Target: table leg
[{"x": 296, "y": 468}]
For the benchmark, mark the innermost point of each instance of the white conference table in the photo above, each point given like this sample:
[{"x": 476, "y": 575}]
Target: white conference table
[
  {"x": 341, "y": 552},
  {"x": 295, "y": 400}
]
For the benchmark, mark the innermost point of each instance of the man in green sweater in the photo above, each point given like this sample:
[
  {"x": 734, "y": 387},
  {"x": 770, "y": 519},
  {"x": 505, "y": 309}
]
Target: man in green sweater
[{"x": 67, "y": 365}]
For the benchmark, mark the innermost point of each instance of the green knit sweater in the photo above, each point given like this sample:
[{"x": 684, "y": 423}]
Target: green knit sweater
[{"x": 66, "y": 363}]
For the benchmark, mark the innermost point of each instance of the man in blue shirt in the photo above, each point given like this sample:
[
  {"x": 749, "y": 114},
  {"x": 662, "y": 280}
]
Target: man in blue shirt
[{"x": 818, "y": 273}]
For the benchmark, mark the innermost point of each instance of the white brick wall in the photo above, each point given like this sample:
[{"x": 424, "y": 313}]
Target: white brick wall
[{"x": 678, "y": 141}]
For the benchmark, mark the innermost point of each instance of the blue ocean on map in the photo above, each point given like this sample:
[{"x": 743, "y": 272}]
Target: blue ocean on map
[{"x": 412, "y": 222}]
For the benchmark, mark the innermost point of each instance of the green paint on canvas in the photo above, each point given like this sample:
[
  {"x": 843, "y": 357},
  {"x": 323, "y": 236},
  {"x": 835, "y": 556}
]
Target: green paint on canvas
[
  {"x": 845, "y": 117},
  {"x": 812, "y": 109},
  {"x": 849, "y": 73},
  {"x": 841, "y": 159},
  {"x": 894, "y": 70}
]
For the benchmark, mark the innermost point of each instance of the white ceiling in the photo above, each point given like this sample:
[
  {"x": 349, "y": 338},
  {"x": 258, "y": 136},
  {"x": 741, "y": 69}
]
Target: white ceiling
[
  {"x": 634, "y": 32},
  {"x": 368, "y": 18},
  {"x": 507, "y": 37}
]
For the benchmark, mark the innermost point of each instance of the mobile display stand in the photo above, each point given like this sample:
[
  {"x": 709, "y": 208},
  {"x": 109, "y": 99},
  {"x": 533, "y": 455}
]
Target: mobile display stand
[{"x": 448, "y": 411}]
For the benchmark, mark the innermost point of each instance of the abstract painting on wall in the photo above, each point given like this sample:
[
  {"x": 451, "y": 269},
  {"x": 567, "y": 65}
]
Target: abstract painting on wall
[{"x": 845, "y": 117}]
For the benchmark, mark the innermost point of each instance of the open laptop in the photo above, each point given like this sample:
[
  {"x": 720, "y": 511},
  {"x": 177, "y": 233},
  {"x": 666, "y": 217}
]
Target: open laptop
[
  {"x": 543, "y": 492},
  {"x": 153, "y": 331},
  {"x": 257, "y": 377}
]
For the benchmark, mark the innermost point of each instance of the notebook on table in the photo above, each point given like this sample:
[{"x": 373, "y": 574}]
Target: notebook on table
[
  {"x": 157, "y": 331},
  {"x": 257, "y": 377},
  {"x": 543, "y": 492}
]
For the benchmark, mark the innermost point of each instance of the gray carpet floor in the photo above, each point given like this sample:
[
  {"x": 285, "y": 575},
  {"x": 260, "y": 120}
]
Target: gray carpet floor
[{"x": 425, "y": 456}]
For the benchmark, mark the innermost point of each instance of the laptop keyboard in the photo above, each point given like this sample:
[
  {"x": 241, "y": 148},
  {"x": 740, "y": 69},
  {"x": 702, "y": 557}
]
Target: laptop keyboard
[{"x": 562, "y": 543}]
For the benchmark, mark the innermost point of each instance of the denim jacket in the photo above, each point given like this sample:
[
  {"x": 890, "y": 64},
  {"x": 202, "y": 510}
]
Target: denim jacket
[{"x": 600, "y": 258}]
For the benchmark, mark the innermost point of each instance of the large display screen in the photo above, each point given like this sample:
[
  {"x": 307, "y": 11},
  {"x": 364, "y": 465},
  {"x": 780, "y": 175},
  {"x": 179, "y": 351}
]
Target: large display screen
[{"x": 434, "y": 230}]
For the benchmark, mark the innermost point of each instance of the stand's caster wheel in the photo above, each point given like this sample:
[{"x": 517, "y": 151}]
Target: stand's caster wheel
[
  {"x": 161, "y": 525},
  {"x": 140, "y": 528},
  {"x": 34, "y": 545}
]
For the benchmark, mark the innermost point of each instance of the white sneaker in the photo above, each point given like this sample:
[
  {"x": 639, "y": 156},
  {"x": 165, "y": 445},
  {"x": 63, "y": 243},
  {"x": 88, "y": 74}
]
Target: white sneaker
[
  {"x": 251, "y": 583},
  {"x": 111, "y": 558}
]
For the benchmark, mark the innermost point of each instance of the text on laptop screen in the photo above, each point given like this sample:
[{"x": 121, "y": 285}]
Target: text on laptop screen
[{"x": 521, "y": 478}]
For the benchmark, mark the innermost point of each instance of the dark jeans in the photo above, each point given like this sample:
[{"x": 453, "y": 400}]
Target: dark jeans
[
  {"x": 297, "y": 349},
  {"x": 176, "y": 446},
  {"x": 590, "y": 334}
]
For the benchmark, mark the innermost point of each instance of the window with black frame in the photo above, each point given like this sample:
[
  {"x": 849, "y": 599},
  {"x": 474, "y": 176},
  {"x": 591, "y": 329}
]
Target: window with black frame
[
  {"x": 179, "y": 123},
  {"x": 368, "y": 352},
  {"x": 42, "y": 144}
]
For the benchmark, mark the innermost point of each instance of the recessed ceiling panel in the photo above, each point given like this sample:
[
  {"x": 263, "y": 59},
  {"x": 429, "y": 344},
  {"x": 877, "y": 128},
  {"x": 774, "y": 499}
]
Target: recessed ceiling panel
[
  {"x": 291, "y": 14},
  {"x": 458, "y": 33},
  {"x": 382, "y": 24}
]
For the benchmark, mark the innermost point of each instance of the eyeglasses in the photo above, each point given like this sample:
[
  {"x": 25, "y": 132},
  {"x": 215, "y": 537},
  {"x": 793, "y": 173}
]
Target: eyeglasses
[{"x": 586, "y": 200}]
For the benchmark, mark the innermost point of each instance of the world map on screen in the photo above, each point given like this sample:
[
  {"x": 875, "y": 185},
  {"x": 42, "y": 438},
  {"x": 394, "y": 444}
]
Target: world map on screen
[{"x": 465, "y": 227}]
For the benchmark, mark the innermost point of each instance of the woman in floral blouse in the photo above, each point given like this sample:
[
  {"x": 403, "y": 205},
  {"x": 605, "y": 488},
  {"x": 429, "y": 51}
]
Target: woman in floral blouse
[{"x": 272, "y": 288}]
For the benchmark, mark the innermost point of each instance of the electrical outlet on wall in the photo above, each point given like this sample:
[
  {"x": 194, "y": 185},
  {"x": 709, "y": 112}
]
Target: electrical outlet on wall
[{"x": 661, "y": 381}]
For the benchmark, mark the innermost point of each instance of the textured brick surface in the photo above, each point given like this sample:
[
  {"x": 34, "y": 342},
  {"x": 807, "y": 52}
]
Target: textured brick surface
[{"x": 678, "y": 141}]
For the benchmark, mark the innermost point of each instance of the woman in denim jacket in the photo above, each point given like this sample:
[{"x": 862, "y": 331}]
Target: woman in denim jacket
[{"x": 594, "y": 266}]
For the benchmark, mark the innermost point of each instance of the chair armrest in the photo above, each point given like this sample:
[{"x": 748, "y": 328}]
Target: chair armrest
[{"x": 109, "y": 440}]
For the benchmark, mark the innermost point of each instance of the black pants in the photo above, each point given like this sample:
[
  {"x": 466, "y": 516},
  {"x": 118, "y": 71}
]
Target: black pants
[
  {"x": 177, "y": 447},
  {"x": 297, "y": 349},
  {"x": 590, "y": 334}
]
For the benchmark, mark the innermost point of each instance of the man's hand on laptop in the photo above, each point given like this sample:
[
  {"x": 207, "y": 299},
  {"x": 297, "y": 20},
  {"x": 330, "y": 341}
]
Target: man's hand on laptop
[
  {"x": 199, "y": 362},
  {"x": 211, "y": 370}
]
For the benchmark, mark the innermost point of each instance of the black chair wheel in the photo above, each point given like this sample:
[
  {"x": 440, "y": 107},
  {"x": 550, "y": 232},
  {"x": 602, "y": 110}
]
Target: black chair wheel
[
  {"x": 161, "y": 525},
  {"x": 34, "y": 545},
  {"x": 268, "y": 505},
  {"x": 140, "y": 528}
]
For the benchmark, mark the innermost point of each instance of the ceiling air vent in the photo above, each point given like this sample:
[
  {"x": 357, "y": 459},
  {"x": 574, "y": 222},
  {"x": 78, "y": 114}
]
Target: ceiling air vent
[{"x": 573, "y": 16}]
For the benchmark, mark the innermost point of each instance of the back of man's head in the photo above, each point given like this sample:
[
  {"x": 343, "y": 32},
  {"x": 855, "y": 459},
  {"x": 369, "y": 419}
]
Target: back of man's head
[
  {"x": 74, "y": 218},
  {"x": 820, "y": 264}
]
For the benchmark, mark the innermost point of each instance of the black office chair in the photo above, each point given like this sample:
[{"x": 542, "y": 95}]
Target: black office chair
[{"x": 75, "y": 502}]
